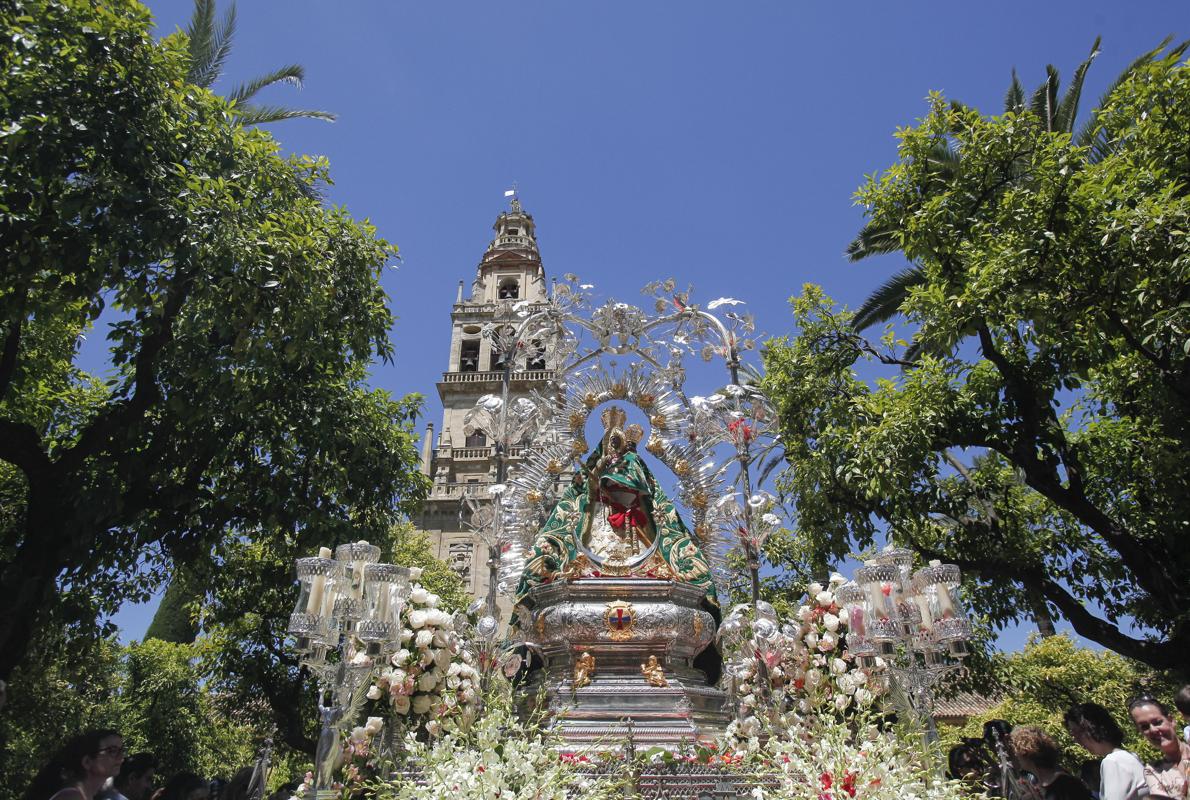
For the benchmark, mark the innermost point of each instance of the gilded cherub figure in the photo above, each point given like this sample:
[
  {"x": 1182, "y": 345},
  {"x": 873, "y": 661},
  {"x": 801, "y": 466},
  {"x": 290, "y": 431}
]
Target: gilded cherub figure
[
  {"x": 584, "y": 669},
  {"x": 654, "y": 674}
]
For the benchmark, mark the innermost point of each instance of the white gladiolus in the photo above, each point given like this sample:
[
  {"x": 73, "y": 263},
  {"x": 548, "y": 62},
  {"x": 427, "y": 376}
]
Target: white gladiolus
[{"x": 434, "y": 728}]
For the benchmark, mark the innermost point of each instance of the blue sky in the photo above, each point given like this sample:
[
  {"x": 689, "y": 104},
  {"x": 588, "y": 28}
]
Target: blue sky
[{"x": 718, "y": 143}]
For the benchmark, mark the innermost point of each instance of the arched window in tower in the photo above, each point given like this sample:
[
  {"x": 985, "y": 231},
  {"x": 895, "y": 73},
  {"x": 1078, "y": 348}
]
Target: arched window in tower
[
  {"x": 536, "y": 355},
  {"x": 469, "y": 356},
  {"x": 477, "y": 439},
  {"x": 509, "y": 289},
  {"x": 497, "y": 355}
]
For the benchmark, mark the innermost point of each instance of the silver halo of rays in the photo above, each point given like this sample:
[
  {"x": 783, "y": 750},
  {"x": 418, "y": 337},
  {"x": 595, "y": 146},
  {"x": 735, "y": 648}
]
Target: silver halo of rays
[{"x": 684, "y": 433}]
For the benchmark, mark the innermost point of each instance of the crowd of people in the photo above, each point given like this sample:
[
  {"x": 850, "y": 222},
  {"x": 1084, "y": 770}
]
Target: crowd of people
[
  {"x": 1025, "y": 762},
  {"x": 95, "y": 766}
]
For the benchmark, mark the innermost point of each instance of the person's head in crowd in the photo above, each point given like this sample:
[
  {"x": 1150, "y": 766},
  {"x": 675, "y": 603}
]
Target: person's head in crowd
[
  {"x": 85, "y": 761},
  {"x": 1154, "y": 721},
  {"x": 186, "y": 786},
  {"x": 995, "y": 730},
  {"x": 1091, "y": 726},
  {"x": 964, "y": 762},
  {"x": 1181, "y": 701},
  {"x": 1035, "y": 750},
  {"x": 237, "y": 787},
  {"x": 135, "y": 780}
]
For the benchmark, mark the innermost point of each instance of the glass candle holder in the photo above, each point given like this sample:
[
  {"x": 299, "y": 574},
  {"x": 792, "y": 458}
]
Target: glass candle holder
[
  {"x": 385, "y": 588},
  {"x": 354, "y": 557},
  {"x": 311, "y": 614}
]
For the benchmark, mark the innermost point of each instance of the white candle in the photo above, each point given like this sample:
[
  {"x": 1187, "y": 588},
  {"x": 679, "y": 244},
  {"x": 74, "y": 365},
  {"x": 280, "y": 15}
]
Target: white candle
[
  {"x": 317, "y": 586},
  {"x": 945, "y": 606},
  {"x": 923, "y": 605}
]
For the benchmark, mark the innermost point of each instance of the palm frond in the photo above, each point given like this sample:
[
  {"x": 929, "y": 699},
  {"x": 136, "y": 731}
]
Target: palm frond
[
  {"x": 251, "y": 114},
  {"x": 1045, "y": 99},
  {"x": 200, "y": 32},
  {"x": 1014, "y": 98},
  {"x": 293, "y": 74},
  {"x": 885, "y": 303},
  {"x": 1089, "y": 135},
  {"x": 873, "y": 240},
  {"x": 209, "y": 44},
  {"x": 1068, "y": 108}
]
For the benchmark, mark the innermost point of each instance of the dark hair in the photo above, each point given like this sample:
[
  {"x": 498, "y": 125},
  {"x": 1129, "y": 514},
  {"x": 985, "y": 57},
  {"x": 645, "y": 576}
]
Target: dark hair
[
  {"x": 1096, "y": 721},
  {"x": 1182, "y": 699},
  {"x": 961, "y": 759},
  {"x": 1149, "y": 700},
  {"x": 135, "y": 766},
  {"x": 1088, "y": 772},
  {"x": 1035, "y": 745},
  {"x": 181, "y": 785},
  {"x": 66, "y": 766}
]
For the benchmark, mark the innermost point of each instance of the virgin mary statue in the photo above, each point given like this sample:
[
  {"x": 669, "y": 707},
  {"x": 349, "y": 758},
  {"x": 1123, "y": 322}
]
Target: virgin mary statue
[{"x": 614, "y": 520}]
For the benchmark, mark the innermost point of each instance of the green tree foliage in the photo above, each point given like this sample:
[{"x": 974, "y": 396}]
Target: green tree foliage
[
  {"x": 247, "y": 317},
  {"x": 151, "y": 692},
  {"x": 1050, "y": 675},
  {"x": 1043, "y": 440}
]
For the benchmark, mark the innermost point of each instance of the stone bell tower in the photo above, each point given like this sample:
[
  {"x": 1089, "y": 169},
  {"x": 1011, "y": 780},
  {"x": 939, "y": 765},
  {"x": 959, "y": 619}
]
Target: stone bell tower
[{"x": 460, "y": 466}]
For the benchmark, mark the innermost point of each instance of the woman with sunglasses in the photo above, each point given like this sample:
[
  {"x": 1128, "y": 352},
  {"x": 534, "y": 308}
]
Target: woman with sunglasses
[
  {"x": 1169, "y": 776},
  {"x": 80, "y": 768}
]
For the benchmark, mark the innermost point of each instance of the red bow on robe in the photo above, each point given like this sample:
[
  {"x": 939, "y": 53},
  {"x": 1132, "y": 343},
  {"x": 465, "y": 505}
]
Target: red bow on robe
[{"x": 619, "y": 516}]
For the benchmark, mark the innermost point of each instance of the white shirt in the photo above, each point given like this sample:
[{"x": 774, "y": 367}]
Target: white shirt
[{"x": 1122, "y": 777}]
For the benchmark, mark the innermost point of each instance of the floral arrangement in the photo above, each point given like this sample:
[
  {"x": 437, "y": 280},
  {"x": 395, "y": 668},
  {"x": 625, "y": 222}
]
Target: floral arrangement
[
  {"x": 828, "y": 760},
  {"x": 498, "y": 757},
  {"x": 430, "y": 683},
  {"x": 782, "y": 674}
]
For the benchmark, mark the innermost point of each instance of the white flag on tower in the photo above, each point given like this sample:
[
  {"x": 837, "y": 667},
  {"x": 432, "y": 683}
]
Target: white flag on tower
[{"x": 509, "y": 192}]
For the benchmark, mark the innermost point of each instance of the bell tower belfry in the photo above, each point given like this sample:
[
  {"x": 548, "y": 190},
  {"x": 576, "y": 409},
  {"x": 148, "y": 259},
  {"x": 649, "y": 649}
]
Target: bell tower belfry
[{"x": 460, "y": 465}]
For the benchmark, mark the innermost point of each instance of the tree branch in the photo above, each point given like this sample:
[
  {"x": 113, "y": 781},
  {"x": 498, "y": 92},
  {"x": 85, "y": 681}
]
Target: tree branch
[{"x": 12, "y": 342}]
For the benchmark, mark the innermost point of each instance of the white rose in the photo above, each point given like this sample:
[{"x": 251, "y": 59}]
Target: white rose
[
  {"x": 838, "y": 666},
  {"x": 415, "y": 573},
  {"x": 427, "y": 682},
  {"x": 419, "y": 595},
  {"x": 469, "y": 695},
  {"x": 440, "y": 639},
  {"x": 373, "y": 725},
  {"x": 805, "y": 613},
  {"x": 358, "y": 734},
  {"x": 815, "y": 589},
  {"x": 400, "y": 657},
  {"x": 442, "y": 659},
  {"x": 863, "y": 696},
  {"x": 433, "y": 600},
  {"x": 423, "y": 640},
  {"x": 837, "y": 580},
  {"x": 828, "y": 642},
  {"x": 824, "y": 598},
  {"x": 841, "y": 702},
  {"x": 830, "y": 622},
  {"x": 421, "y": 703},
  {"x": 401, "y": 704},
  {"x": 417, "y": 619},
  {"x": 812, "y": 639},
  {"x": 374, "y": 692},
  {"x": 454, "y": 669},
  {"x": 426, "y": 658},
  {"x": 406, "y": 635},
  {"x": 813, "y": 677}
]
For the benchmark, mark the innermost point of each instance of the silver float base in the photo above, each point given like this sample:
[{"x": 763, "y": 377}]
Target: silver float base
[{"x": 668, "y": 621}]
